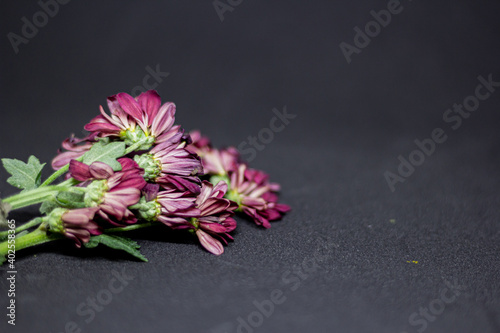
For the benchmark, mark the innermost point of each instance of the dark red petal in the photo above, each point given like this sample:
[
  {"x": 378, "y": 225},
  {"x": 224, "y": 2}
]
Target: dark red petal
[
  {"x": 150, "y": 102},
  {"x": 101, "y": 170},
  {"x": 101, "y": 124},
  {"x": 78, "y": 170},
  {"x": 130, "y": 106}
]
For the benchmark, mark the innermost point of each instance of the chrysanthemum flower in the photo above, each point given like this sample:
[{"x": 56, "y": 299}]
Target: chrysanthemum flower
[
  {"x": 133, "y": 119},
  {"x": 113, "y": 192},
  {"x": 164, "y": 204},
  {"x": 255, "y": 195},
  {"x": 210, "y": 219},
  {"x": 75, "y": 224},
  {"x": 220, "y": 162},
  {"x": 171, "y": 164}
]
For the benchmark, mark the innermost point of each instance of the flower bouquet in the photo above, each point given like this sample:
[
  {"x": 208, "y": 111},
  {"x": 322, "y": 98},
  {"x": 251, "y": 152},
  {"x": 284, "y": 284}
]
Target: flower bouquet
[{"x": 136, "y": 169}]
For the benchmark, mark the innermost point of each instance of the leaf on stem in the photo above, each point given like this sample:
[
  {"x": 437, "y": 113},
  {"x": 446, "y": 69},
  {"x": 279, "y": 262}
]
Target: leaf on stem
[
  {"x": 48, "y": 206},
  {"x": 118, "y": 243},
  {"x": 25, "y": 176},
  {"x": 4, "y": 212},
  {"x": 107, "y": 153}
]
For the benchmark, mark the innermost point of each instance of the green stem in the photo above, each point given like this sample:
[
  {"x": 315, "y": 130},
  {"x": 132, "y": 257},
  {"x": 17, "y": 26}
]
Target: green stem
[
  {"x": 33, "y": 197},
  {"x": 130, "y": 227},
  {"x": 35, "y": 237},
  {"x": 134, "y": 147},
  {"x": 55, "y": 175},
  {"x": 25, "y": 226}
]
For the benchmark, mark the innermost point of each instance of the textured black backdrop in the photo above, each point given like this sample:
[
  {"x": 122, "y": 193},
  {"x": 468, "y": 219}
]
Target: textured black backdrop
[{"x": 345, "y": 259}]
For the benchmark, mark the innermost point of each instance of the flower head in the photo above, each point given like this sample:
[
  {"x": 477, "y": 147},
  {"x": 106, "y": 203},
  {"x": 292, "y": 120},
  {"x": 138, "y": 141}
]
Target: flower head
[
  {"x": 171, "y": 164},
  {"x": 220, "y": 162},
  {"x": 113, "y": 192},
  {"x": 256, "y": 196},
  {"x": 75, "y": 224},
  {"x": 164, "y": 203},
  {"x": 210, "y": 218},
  {"x": 135, "y": 119}
]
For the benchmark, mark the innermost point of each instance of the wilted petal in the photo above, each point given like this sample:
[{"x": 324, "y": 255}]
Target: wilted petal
[
  {"x": 100, "y": 124},
  {"x": 209, "y": 243},
  {"x": 101, "y": 170},
  {"x": 130, "y": 106},
  {"x": 150, "y": 191},
  {"x": 164, "y": 120},
  {"x": 64, "y": 158},
  {"x": 78, "y": 170},
  {"x": 150, "y": 102}
]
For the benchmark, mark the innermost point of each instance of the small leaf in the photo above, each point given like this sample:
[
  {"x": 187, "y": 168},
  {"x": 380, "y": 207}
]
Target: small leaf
[
  {"x": 48, "y": 206},
  {"x": 25, "y": 176},
  {"x": 118, "y": 243},
  {"x": 70, "y": 199},
  {"x": 107, "y": 153}
]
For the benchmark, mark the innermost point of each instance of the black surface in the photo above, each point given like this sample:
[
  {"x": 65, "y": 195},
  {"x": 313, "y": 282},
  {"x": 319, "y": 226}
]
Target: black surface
[{"x": 355, "y": 239}]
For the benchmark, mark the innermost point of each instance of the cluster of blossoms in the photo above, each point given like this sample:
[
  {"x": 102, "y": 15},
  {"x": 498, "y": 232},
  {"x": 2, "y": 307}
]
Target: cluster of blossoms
[{"x": 165, "y": 176}]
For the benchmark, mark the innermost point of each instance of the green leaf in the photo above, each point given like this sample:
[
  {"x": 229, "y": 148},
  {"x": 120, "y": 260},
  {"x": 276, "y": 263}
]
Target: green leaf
[
  {"x": 4, "y": 212},
  {"x": 48, "y": 206},
  {"x": 70, "y": 199},
  {"x": 118, "y": 243},
  {"x": 25, "y": 176},
  {"x": 107, "y": 153}
]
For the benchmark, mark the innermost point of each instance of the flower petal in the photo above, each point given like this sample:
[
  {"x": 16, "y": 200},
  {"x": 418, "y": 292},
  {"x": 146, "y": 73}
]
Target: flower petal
[
  {"x": 209, "y": 243},
  {"x": 150, "y": 102},
  {"x": 101, "y": 170},
  {"x": 130, "y": 106},
  {"x": 80, "y": 171}
]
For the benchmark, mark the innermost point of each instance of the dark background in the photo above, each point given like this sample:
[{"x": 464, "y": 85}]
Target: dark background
[{"x": 354, "y": 239}]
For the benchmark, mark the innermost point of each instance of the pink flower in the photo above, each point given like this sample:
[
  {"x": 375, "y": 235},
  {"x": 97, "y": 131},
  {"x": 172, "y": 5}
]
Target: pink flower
[
  {"x": 164, "y": 204},
  {"x": 171, "y": 164},
  {"x": 210, "y": 219},
  {"x": 78, "y": 224},
  {"x": 145, "y": 111},
  {"x": 220, "y": 162},
  {"x": 255, "y": 195},
  {"x": 113, "y": 192},
  {"x": 173, "y": 202}
]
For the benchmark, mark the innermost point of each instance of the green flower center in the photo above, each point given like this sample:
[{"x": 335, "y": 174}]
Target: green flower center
[
  {"x": 95, "y": 193},
  {"x": 152, "y": 167},
  {"x": 195, "y": 223},
  {"x": 54, "y": 220},
  {"x": 147, "y": 210},
  {"x": 134, "y": 135},
  {"x": 234, "y": 196}
]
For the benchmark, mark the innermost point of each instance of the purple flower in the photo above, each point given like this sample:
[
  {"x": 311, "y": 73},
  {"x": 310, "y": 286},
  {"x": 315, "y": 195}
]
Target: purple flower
[
  {"x": 113, "y": 192},
  {"x": 171, "y": 164},
  {"x": 210, "y": 219},
  {"x": 144, "y": 112},
  {"x": 78, "y": 225},
  {"x": 220, "y": 162},
  {"x": 173, "y": 202},
  {"x": 164, "y": 204},
  {"x": 255, "y": 195}
]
